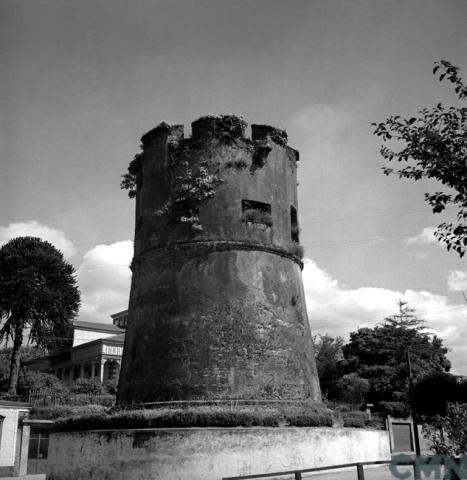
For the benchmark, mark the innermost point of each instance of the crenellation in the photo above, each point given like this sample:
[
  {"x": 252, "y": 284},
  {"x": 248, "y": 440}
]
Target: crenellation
[
  {"x": 176, "y": 133},
  {"x": 292, "y": 153},
  {"x": 218, "y": 125},
  {"x": 267, "y": 132},
  {"x": 163, "y": 129}
]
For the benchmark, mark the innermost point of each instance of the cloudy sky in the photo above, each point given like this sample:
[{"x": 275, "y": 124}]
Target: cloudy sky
[{"x": 81, "y": 81}]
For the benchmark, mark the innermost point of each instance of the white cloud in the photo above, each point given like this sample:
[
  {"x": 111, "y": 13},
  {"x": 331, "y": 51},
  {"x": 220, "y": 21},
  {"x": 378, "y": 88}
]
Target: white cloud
[
  {"x": 35, "y": 229},
  {"x": 324, "y": 125},
  {"x": 426, "y": 236},
  {"x": 104, "y": 275},
  {"x": 104, "y": 279},
  {"x": 336, "y": 309},
  {"x": 457, "y": 281}
]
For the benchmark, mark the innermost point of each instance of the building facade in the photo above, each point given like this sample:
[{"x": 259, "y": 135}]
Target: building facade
[
  {"x": 96, "y": 352},
  {"x": 11, "y": 438}
]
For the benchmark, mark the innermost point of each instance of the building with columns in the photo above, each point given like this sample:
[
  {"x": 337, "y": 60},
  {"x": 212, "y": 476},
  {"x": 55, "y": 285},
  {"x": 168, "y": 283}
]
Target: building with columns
[{"x": 96, "y": 352}]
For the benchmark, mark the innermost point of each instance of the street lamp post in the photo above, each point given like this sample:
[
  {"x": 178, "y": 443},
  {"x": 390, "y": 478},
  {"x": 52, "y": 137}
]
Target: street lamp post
[{"x": 412, "y": 405}]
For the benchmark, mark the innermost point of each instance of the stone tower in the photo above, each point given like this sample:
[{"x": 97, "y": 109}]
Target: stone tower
[{"x": 217, "y": 307}]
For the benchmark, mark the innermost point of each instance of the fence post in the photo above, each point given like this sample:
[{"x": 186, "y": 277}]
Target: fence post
[
  {"x": 298, "y": 475},
  {"x": 360, "y": 473}
]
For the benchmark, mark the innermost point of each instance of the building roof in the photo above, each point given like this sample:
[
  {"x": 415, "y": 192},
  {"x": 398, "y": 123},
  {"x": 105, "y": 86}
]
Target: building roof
[
  {"x": 101, "y": 327},
  {"x": 123, "y": 312},
  {"x": 14, "y": 404},
  {"x": 115, "y": 338}
]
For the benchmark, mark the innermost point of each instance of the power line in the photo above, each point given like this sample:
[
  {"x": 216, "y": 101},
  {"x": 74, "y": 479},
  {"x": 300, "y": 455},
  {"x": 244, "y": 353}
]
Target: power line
[
  {"x": 363, "y": 217},
  {"x": 348, "y": 242},
  {"x": 361, "y": 240}
]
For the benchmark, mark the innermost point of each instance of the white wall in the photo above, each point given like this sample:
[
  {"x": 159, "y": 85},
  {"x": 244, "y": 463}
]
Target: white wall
[
  {"x": 207, "y": 453},
  {"x": 8, "y": 436},
  {"x": 84, "y": 336}
]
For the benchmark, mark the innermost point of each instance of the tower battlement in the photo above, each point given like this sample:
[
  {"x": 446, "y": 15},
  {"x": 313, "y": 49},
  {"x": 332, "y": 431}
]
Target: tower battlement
[
  {"x": 217, "y": 126},
  {"x": 217, "y": 185},
  {"x": 217, "y": 308}
]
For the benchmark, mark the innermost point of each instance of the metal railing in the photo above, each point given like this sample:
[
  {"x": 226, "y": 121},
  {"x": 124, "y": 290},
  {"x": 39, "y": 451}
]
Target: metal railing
[
  {"x": 298, "y": 473},
  {"x": 42, "y": 398}
]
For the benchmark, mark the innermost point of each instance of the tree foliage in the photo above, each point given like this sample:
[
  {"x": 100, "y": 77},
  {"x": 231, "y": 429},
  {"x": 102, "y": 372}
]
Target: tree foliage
[
  {"x": 28, "y": 352},
  {"x": 328, "y": 355},
  {"x": 434, "y": 146},
  {"x": 38, "y": 297},
  {"x": 352, "y": 388},
  {"x": 434, "y": 391},
  {"x": 45, "y": 383},
  {"x": 89, "y": 386},
  {"x": 379, "y": 355},
  {"x": 448, "y": 434}
]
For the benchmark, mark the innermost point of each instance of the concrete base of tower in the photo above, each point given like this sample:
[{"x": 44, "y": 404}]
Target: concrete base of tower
[{"x": 206, "y": 324}]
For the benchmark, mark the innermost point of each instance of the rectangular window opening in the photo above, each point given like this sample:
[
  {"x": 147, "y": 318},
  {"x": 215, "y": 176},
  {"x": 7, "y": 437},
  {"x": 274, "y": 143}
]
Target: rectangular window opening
[
  {"x": 294, "y": 230},
  {"x": 38, "y": 443},
  {"x": 256, "y": 212}
]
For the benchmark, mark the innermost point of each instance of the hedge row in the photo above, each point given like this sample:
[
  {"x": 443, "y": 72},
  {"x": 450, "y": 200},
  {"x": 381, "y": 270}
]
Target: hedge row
[
  {"x": 67, "y": 411},
  {"x": 197, "y": 417},
  {"x": 361, "y": 420}
]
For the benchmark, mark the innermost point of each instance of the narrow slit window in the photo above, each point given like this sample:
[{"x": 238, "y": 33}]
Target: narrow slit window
[
  {"x": 256, "y": 212},
  {"x": 294, "y": 230}
]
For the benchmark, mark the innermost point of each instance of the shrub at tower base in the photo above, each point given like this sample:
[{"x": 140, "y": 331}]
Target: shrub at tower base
[{"x": 217, "y": 308}]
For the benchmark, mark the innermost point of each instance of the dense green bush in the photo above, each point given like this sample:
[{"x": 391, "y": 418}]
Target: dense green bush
[
  {"x": 448, "y": 434},
  {"x": 201, "y": 416},
  {"x": 106, "y": 400},
  {"x": 89, "y": 386},
  {"x": 361, "y": 420},
  {"x": 45, "y": 383},
  {"x": 67, "y": 411},
  {"x": 395, "y": 409},
  {"x": 309, "y": 419},
  {"x": 254, "y": 215},
  {"x": 434, "y": 391},
  {"x": 92, "y": 417},
  {"x": 111, "y": 387}
]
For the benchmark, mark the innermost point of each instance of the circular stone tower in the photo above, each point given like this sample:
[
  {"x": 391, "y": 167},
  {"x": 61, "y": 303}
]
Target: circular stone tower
[{"x": 217, "y": 307}]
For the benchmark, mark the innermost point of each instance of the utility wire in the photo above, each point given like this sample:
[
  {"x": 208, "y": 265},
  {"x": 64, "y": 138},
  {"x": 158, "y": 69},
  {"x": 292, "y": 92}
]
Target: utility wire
[{"x": 344, "y": 219}]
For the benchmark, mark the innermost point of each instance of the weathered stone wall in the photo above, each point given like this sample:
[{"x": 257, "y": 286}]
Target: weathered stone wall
[
  {"x": 218, "y": 312},
  {"x": 206, "y": 453}
]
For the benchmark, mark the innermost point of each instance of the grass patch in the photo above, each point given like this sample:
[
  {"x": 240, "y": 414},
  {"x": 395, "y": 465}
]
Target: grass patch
[
  {"x": 253, "y": 215},
  {"x": 200, "y": 416},
  {"x": 98, "y": 417},
  {"x": 361, "y": 420}
]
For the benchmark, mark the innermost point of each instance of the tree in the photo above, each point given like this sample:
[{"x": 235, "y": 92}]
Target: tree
[
  {"x": 434, "y": 145},
  {"x": 448, "y": 434},
  {"x": 379, "y": 355},
  {"x": 328, "y": 355},
  {"x": 27, "y": 353},
  {"x": 46, "y": 384},
  {"x": 352, "y": 388},
  {"x": 38, "y": 297},
  {"x": 434, "y": 391}
]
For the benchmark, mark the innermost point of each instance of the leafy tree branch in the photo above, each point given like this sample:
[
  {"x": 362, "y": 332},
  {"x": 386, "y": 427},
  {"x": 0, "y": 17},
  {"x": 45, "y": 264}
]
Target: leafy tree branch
[{"x": 434, "y": 146}]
